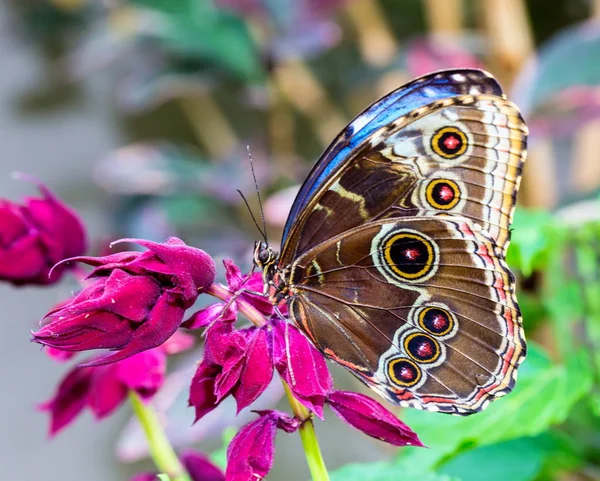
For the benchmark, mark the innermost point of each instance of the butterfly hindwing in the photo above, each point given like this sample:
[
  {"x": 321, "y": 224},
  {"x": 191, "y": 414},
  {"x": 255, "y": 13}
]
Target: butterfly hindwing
[{"x": 422, "y": 309}]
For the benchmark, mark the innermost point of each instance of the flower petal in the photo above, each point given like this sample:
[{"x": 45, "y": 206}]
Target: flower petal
[
  {"x": 257, "y": 372},
  {"x": 202, "y": 389},
  {"x": 69, "y": 400},
  {"x": 302, "y": 367},
  {"x": 372, "y": 418},
  {"x": 250, "y": 453}
]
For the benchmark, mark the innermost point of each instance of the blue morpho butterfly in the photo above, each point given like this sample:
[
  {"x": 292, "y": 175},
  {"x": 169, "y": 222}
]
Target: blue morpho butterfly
[{"x": 393, "y": 256}]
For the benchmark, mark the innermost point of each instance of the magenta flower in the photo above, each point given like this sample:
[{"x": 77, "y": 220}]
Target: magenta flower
[
  {"x": 367, "y": 415},
  {"x": 102, "y": 389},
  {"x": 35, "y": 236},
  {"x": 136, "y": 302},
  {"x": 236, "y": 362},
  {"x": 241, "y": 363},
  {"x": 198, "y": 466},
  {"x": 250, "y": 453}
]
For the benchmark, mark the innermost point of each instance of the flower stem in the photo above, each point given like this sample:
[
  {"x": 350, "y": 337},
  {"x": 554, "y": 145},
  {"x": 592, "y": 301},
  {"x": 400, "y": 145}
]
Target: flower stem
[
  {"x": 310, "y": 443},
  {"x": 162, "y": 452}
]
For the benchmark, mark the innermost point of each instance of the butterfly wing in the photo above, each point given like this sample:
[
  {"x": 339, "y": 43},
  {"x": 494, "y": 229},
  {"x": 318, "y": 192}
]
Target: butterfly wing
[
  {"x": 396, "y": 105},
  {"x": 441, "y": 157},
  {"x": 421, "y": 309}
]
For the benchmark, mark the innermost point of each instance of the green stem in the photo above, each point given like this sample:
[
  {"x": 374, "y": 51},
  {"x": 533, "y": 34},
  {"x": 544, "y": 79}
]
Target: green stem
[
  {"x": 310, "y": 443},
  {"x": 162, "y": 452}
]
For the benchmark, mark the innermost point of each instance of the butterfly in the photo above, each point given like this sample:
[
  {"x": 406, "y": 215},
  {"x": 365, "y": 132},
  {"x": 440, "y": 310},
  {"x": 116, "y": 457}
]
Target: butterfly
[{"x": 393, "y": 255}]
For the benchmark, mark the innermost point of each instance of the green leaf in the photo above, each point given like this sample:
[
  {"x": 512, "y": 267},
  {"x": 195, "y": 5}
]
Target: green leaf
[
  {"x": 384, "y": 471},
  {"x": 164, "y": 477},
  {"x": 199, "y": 30},
  {"x": 516, "y": 460},
  {"x": 543, "y": 396},
  {"x": 529, "y": 240}
]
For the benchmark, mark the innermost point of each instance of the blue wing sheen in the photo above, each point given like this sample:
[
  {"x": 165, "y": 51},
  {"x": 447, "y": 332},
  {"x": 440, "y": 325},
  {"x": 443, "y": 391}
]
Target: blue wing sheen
[{"x": 416, "y": 94}]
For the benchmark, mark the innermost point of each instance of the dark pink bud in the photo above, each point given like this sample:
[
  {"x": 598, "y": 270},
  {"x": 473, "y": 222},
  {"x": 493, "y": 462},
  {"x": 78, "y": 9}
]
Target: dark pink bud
[
  {"x": 366, "y": 414},
  {"x": 200, "y": 468},
  {"x": 102, "y": 389},
  {"x": 301, "y": 366},
  {"x": 250, "y": 453},
  {"x": 35, "y": 236},
  {"x": 136, "y": 303}
]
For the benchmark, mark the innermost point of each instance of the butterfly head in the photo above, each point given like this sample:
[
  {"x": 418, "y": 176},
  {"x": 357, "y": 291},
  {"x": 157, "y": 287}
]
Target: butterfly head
[{"x": 265, "y": 258}]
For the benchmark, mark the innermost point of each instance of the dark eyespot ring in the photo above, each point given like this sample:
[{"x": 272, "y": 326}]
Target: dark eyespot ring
[
  {"x": 421, "y": 347},
  {"x": 449, "y": 142},
  {"x": 442, "y": 194},
  {"x": 436, "y": 321},
  {"x": 403, "y": 372},
  {"x": 409, "y": 255}
]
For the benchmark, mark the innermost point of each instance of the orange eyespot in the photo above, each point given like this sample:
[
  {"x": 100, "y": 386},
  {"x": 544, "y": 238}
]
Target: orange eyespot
[
  {"x": 436, "y": 321},
  {"x": 403, "y": 372},
  {"x": 421, "y": 347},
  {"x": 409, "y": 255},
  {"x": 442, "y": 194},
  {"x": 449, "y": 142}
]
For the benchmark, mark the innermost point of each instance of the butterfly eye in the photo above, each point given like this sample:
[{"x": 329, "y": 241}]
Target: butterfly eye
[
  {"x": 442, "y": 194},
  {"x": 403, "y": 372},
  {"x": 449, "y": 142},
  {"x": 264, "y": 256}
]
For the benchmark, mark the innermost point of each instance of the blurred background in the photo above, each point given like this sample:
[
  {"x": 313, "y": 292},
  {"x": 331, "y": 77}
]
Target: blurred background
[{"x": 139, "y": 112}]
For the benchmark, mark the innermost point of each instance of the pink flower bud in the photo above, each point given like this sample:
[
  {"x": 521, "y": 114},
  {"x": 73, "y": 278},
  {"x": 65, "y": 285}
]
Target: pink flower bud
[
  {"x": 250, "y": 453},
  {"x": 366, "y": 414},
  {"x": 136, "y": 303},
  {"x": 35, "y": 236}
]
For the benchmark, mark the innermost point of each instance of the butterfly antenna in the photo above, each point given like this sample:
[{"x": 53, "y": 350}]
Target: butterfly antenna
[
  {"x": 262, "y": 212},
  {"x": 252, "y": 215}
]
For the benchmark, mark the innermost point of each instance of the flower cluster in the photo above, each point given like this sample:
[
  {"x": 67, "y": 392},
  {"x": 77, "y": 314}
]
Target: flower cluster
[
  {"x": 136, "y": 302},
  {"x": 35, "y": 236},
  {"x": 103, "y": 389},
  {"x": 133, "y": 305},
  {"x": 241, "y": 363}
]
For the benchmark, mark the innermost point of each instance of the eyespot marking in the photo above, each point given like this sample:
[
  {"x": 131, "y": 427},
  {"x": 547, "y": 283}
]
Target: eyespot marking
[
  {"x": 422, "y": 348},
  {"x": 403, "y": 372},
  {"x": 449, "y": 142},
  {"x": 409, "y": 255},
  {"x": 442, "y": 194},
  {"x": 436, "y": 321}
]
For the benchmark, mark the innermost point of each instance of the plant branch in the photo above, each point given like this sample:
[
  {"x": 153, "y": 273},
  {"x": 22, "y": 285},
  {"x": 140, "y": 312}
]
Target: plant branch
[{"x": 162, "y": 452}]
